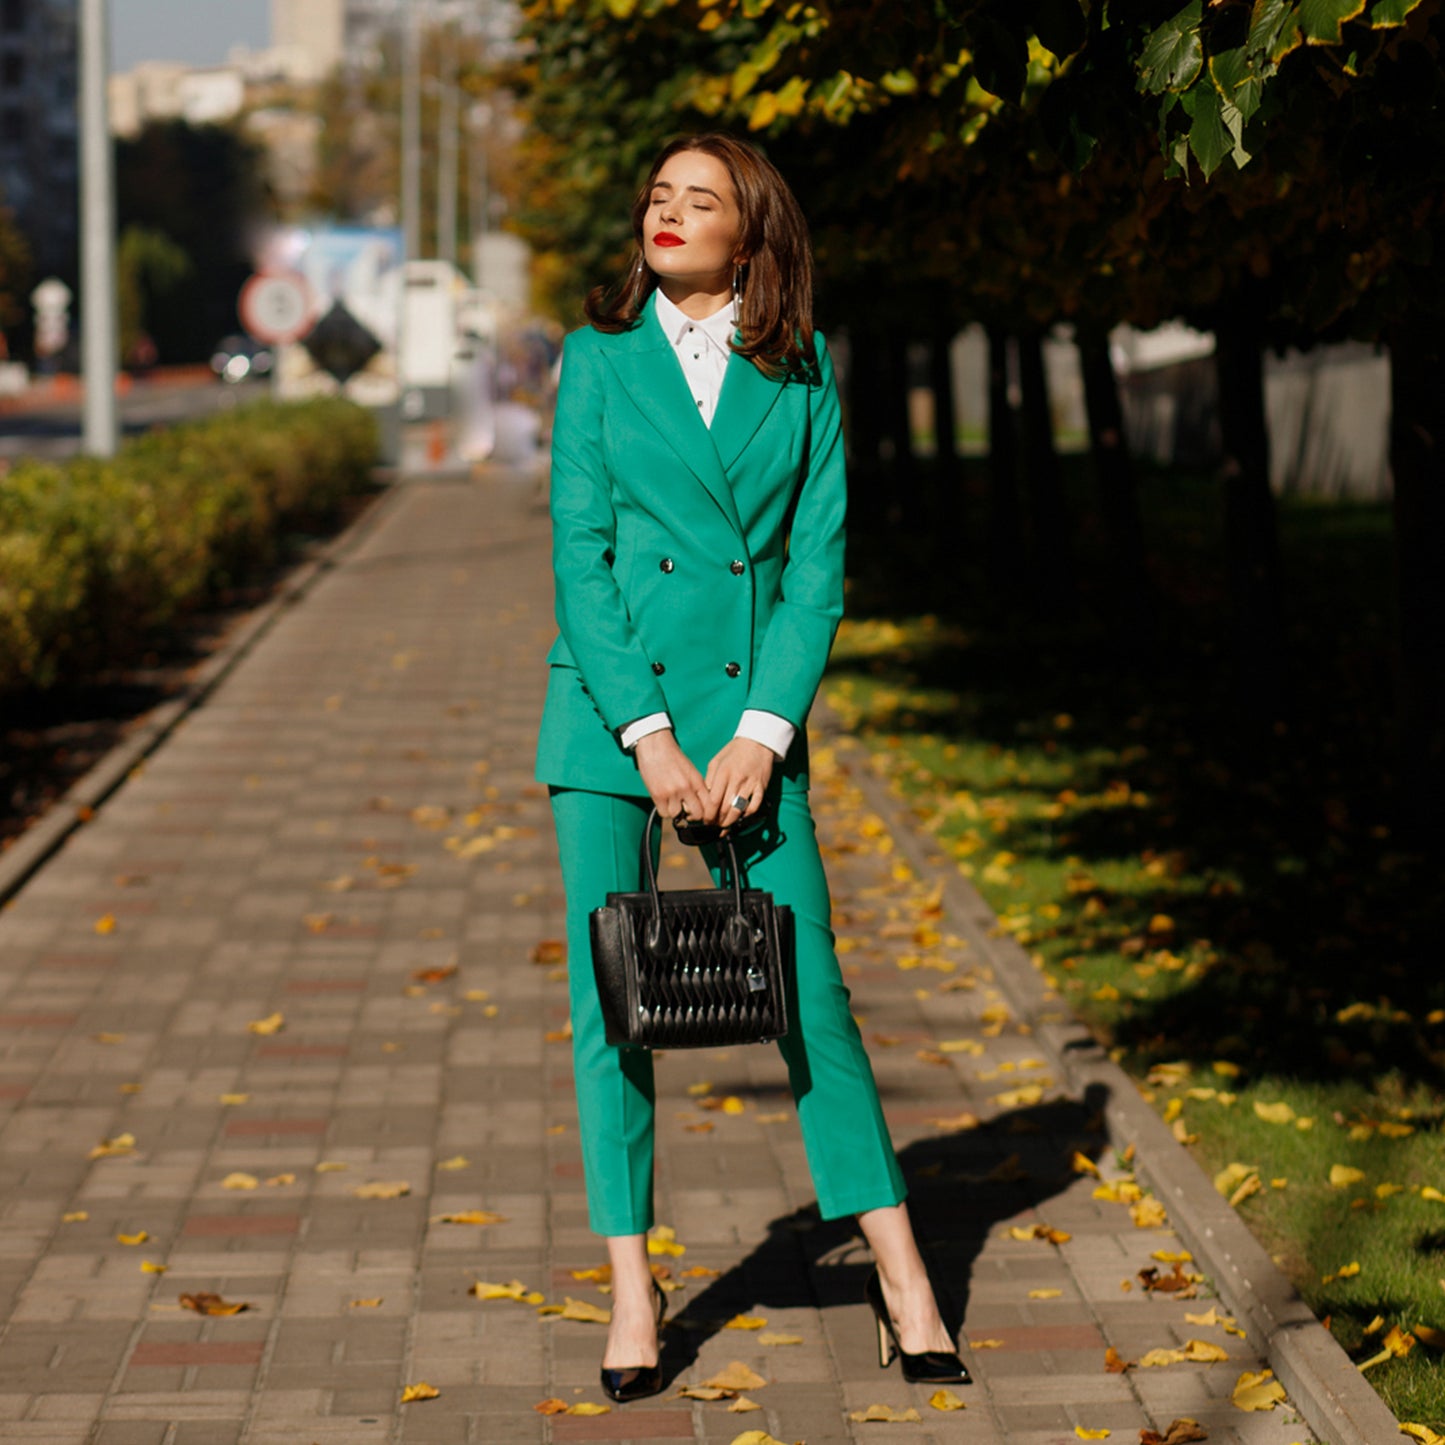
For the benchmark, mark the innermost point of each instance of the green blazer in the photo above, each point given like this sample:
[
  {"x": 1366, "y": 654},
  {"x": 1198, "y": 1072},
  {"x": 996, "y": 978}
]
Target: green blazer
[{"x": 698, "y": 572}]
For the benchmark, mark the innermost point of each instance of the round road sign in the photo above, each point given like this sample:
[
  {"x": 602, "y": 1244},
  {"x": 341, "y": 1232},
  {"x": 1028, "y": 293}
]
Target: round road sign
[{"x": 275, "y": 306}]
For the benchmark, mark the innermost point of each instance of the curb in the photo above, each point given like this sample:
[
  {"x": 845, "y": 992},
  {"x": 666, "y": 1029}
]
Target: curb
[
  {"x": 43, "y": 839},
  {"x": 1335, "y": 1400}
]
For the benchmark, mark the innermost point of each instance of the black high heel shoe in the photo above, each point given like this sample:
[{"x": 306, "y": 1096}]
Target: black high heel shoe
[
  {"x": 637, "y": 1382},
  {"x": 928, "y": 1367}
]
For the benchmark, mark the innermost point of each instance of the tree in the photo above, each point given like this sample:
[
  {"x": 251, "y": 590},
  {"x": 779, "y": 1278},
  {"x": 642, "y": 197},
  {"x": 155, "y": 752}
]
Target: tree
[
  {"x": 203, "y": 188},
  {"x": 150, "y": 267}
]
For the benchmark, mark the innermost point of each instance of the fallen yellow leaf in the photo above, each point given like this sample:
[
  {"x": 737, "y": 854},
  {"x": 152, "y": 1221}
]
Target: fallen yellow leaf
[
  {"x": 331, "y": 1166},
  {"x": 150, "y": 1267},
  {"x": 755, "y": 1437},
  {"x": 76, "y": 1216},
  {"x": 704, "y": 1392},
  {"x": 769, "y": 1337},
  {"x": 1082, "y": 1164},
  {"x": 885, "y": 1415},
  {"x": 139, "y": 1237},
  {"x": 745, "y": 1322},
  {"x": 110, "y": 1148},
  {"x": 271, "y": 1024},
  {"x": 1084, "y": 1434},
  {"x": 743, "y": 1406},
  {"x": 1148, "y": 1213},
  {"x": 985, "y": 1344},
  {"x": 1343, "y": 1175},
  {"x": 1045, "y": 1293},
  {"x": 470, "y": 1216},
  {"x": 231, "y": 1099},
  {"x": 1172, "y": 1256},
  {"x": 576, "y": 1309},
  {"x": 736, "y": 1376},
  {"x": 1423, "y": 1433},
  {"x": 1432, "y": 1194},
  {"x": 663, "y": 1240},
  {"x": 279, "y": 1181},
  {"x": 1345, "y": 1271},
  {"x": 457, "y": 1161},
  {"x": 239, "y": 1181},
  {"x": 513, "y": 1290},
  {"x": 382, "y": 1189},
  {"x": 105, "y": 924},
  {"x": 1204, "y": 1353},
  {"x": 1257, "y": 1390},
  {"x": 945, "y": 1400},
  {"x": 1279, "y": 1113},
  {"x": 419, "y": 1391},
  {"x": 367, "y": 1304},
  {"x": 1156, "y": 1359},
  {"x": 586, "y": 1407},
  {"x": 205, "y": 1303}
]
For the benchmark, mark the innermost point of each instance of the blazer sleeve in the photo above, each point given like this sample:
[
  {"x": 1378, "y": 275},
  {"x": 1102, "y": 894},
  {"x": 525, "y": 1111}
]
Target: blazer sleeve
[
  {"x": 591, "y": 612},
  {"x": 800, "y": 632}
]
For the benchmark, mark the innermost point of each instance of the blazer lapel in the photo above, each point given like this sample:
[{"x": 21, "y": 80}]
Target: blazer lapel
[
  {"x": 648, "y": 368},
  {"x": 747, "y": 398}
]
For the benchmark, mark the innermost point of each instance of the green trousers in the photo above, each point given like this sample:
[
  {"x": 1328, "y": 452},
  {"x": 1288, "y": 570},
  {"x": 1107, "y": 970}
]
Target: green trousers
[{"x": 849, "y": 1153}]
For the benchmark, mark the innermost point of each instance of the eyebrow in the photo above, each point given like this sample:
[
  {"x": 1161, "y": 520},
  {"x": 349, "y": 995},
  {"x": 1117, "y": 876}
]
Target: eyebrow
[{"x": 667, "y": 186}]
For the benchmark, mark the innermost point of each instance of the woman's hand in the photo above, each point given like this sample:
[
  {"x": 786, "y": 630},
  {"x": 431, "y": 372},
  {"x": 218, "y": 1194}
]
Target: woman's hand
[
  {"x": 673, "y": 784},
  {"x": 741, "y": 770}
]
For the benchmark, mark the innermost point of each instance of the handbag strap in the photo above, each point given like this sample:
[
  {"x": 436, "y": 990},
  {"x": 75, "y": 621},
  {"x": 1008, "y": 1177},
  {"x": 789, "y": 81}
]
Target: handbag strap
[{"x": 740, "y": 932}]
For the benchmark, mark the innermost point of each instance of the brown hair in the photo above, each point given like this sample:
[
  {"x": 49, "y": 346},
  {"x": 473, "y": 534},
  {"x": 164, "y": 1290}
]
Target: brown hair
[{"x": 777, "y": 293}]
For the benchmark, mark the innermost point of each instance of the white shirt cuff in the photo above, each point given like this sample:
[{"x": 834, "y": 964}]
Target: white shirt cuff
[
  {"x": 768, "y": 729},
  {"x": 634, "y": 732}
]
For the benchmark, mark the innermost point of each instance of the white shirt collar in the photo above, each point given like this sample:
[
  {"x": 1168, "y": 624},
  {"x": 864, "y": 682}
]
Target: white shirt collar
[{"x": 717, "y": 328}]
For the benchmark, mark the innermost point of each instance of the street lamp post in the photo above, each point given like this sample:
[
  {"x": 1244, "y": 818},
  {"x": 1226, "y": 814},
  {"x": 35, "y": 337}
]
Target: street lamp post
[
  {"x": 447, "y": 124},
  {"x": 97, "y": 212},
  {"x": 411, "y": 128}
]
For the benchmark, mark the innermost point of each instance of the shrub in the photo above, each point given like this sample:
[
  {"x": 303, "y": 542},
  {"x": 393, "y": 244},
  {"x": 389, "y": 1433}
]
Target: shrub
[{"x": 95, "y": 556}]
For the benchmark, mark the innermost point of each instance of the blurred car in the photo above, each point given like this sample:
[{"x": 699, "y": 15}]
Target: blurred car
[{"x": 239, "y": 358}]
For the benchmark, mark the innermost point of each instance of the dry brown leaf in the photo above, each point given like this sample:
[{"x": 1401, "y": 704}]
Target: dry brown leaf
[
  {"x": 439, "y": 974},
  {"x": 1115, "y": 1363},
  {"x": 699, "y": 1271},
  {"x": 549, "y": 952},
  {"x": 736, "y": 1376},
  {"x": 419, "y": 1391},
  {"x": 551, "y": 1406},
  {"x": 1182, "y": 1431},
  {"x": 382, "y": 1189},
  {"x": 205, "y": 1303}
]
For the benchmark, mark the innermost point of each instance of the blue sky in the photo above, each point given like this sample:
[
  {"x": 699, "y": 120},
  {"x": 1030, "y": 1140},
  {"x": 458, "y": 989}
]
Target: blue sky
[{"x": 197, "y": 31}]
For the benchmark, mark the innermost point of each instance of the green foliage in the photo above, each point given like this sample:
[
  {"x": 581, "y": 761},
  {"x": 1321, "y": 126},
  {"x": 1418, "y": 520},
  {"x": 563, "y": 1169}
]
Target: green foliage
[
  {"x": 95, "y": 555},
  {"x": 149, "y": 269},
  {"x": 202, "y": 187}
]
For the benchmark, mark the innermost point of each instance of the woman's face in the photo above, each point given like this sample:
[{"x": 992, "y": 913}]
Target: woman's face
[{"x": 692, "y": 227}]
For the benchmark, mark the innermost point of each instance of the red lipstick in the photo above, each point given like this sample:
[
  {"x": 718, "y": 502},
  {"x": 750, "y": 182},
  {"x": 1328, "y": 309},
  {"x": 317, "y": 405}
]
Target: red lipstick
[{"x": 666, "y": 238}]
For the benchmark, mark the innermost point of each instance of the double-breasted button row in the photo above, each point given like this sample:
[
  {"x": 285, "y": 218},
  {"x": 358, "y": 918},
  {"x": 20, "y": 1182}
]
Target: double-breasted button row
[
  {"x": 658, "y": 668},
  {"x": 736, "y": 567},
  {"x": 733, "y": 669}
]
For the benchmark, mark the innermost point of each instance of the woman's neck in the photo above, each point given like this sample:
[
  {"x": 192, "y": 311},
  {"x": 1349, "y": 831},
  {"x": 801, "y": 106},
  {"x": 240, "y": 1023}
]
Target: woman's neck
[{"x": 697, "y": 302}]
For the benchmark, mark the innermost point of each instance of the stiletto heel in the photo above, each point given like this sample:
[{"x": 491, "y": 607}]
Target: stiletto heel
[
  {"x": 637, "y": 1382},
  {"x": 928, "y": 1367}
]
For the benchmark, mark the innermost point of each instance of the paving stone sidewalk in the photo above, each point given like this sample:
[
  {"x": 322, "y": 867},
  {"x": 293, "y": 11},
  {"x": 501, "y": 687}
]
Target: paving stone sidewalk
[{"x": 309, "y": 948}]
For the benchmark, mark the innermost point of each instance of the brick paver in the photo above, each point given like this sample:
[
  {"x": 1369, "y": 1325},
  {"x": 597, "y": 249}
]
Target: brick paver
[{"x": 294, "y": 957}]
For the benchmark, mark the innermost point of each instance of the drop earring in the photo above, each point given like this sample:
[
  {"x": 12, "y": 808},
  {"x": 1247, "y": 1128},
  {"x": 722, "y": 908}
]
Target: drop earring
[{"x": 737, "y": 295}]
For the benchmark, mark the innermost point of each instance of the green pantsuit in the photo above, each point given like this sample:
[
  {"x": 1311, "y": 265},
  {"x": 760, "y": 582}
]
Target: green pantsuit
[
  {"x": 699, "y": 573},
  {"x": 852, "y": 1161}
]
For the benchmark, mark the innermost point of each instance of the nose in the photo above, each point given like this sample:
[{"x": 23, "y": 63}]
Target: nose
[{"x": 671, "y": 212}]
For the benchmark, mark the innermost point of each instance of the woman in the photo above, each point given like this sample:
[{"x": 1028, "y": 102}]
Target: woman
[{"x": 698, "y": 497}]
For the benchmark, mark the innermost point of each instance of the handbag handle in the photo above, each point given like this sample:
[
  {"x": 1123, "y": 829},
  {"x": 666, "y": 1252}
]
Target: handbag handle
[{"x": 740, "y": 938}]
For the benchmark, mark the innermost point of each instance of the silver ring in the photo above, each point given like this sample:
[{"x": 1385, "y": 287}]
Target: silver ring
[{"x": 741, "y": 802}]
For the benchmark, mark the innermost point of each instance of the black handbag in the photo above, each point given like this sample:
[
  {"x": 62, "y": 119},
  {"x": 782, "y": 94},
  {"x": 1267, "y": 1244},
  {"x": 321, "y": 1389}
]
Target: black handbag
[{"x": 694, "y": 968}]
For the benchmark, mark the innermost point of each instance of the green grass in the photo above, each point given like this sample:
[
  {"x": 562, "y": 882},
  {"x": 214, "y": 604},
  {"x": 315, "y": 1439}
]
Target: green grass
[{"x": 1203, "y": 896}]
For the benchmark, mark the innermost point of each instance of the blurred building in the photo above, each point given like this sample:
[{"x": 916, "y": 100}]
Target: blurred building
[
  {"x": 168, "y": 90},
  {"x": 39, "y": 155},
  {"x": 311, "y": 33}
]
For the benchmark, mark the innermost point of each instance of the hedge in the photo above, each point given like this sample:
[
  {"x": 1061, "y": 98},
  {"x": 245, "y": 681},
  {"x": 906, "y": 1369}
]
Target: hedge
[{"x": 96, "y": 555}]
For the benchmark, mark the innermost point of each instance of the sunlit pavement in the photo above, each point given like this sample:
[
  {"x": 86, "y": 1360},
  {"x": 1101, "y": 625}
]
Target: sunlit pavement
[{"x": 284, "y": 1024}]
